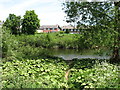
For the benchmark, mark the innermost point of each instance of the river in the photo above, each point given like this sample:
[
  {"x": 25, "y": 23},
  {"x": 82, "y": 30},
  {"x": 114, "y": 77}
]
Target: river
[{"x": 69, "y": 54}]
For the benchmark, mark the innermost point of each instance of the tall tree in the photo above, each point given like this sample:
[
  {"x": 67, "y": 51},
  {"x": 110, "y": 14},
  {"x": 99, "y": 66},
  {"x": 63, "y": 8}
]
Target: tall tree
[
  {"x": 30, "y": 22},
  {"x": 116, "y": 47},
  {"x": 102, "y": 17},
  {"x": 13, "y": 23}
]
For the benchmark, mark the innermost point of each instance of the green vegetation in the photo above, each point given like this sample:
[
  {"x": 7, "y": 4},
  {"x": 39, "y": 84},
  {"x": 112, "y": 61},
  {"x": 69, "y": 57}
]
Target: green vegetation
[
  {"x": 103, "y": 20},
  {"x": 23, "y": 66},
  {"x": 41, "y": 73},
  {"x": 33, "y": 46},
  {"x": 50, "y": 73},
  {"x": 30, "y": 22},
  {"x": 101, "y": 75},
  {"x": 51, "y": 40},
  {"x": 26, "y": 63},
  {"x": 13, "y": 24}
]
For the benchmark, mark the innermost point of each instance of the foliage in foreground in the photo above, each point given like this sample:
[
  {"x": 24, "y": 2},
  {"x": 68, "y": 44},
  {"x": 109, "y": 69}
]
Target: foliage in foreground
[
  {"x": 48, "y": 73},
  {"x": 34, "y": 74},
  {"x": 101, "y": 75}
]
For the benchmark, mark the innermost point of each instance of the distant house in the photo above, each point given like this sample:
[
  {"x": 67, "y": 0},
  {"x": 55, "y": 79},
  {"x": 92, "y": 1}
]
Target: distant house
[
  {"x": 71, "y": 29},
  {"x": 49, "y": 28}
]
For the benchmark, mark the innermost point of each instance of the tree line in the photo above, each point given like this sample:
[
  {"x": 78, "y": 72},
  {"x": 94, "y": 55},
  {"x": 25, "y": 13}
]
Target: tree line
[{"x": 27, "y": 25}]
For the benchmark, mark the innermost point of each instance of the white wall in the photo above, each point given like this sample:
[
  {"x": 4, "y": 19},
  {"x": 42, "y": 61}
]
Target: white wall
[{"x": 39, "y": 31}]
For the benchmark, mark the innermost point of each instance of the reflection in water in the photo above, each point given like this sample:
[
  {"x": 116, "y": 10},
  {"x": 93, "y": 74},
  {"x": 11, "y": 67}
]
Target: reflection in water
[
  {"x": 72, "y": 56},
  {"x": 69, "y": 54}
]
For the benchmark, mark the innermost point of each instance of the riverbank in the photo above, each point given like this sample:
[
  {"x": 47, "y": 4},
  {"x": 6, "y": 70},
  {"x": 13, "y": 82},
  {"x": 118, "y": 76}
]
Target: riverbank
[
  {"x": 39, "y": 45},
  {"x": 58, "y": 40}
]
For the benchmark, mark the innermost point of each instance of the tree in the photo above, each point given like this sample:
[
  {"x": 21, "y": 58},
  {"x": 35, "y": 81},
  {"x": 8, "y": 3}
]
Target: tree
[
  {"x": 116, "y": 47},
  {"x": 30, "y": 22},
  {"x": 103, "y": 18},
  {"x": 13, "y": 24}
]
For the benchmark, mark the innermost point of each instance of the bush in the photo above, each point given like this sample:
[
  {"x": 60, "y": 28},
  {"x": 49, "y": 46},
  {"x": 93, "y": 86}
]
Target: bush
[
  {"x": 9, "y": 44},
  {"x": 62, "y": 32}
]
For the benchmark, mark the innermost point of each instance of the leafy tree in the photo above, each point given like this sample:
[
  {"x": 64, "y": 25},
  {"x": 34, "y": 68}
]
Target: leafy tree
[
  {"x": 103, "y": 19},
  {"x": 30, "y": 22},
  {"x": 13, "y": 23}
]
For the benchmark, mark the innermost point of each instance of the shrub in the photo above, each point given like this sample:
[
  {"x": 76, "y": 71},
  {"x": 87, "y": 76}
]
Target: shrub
[{"x": 62, "y": 32}]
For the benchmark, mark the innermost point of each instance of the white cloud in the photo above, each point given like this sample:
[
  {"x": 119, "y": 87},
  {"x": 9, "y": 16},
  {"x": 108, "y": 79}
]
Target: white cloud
[
  {"x": 52, "y": 18},
  {"x": 49, "y": 11}
]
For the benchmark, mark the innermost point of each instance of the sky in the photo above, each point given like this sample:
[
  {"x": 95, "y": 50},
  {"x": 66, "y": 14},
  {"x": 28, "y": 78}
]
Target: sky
[{"x": 49, "y": 11}]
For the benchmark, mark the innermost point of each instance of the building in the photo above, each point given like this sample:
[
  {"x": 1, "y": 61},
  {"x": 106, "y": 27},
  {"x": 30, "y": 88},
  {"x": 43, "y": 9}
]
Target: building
[
  {"x": 56, "y": 28},
  {"x": 70, "y": 29},
  {"x": 49, "y": 28}
]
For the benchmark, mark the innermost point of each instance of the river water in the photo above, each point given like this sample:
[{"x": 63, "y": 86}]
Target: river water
[{"x": 69, "y": 54}]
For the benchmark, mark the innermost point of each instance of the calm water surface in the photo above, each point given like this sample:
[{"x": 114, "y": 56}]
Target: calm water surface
[{"x": 69, "y": 54}]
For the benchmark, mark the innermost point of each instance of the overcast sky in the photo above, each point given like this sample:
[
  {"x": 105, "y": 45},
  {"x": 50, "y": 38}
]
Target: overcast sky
[{"x": 49, "y": 11}]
